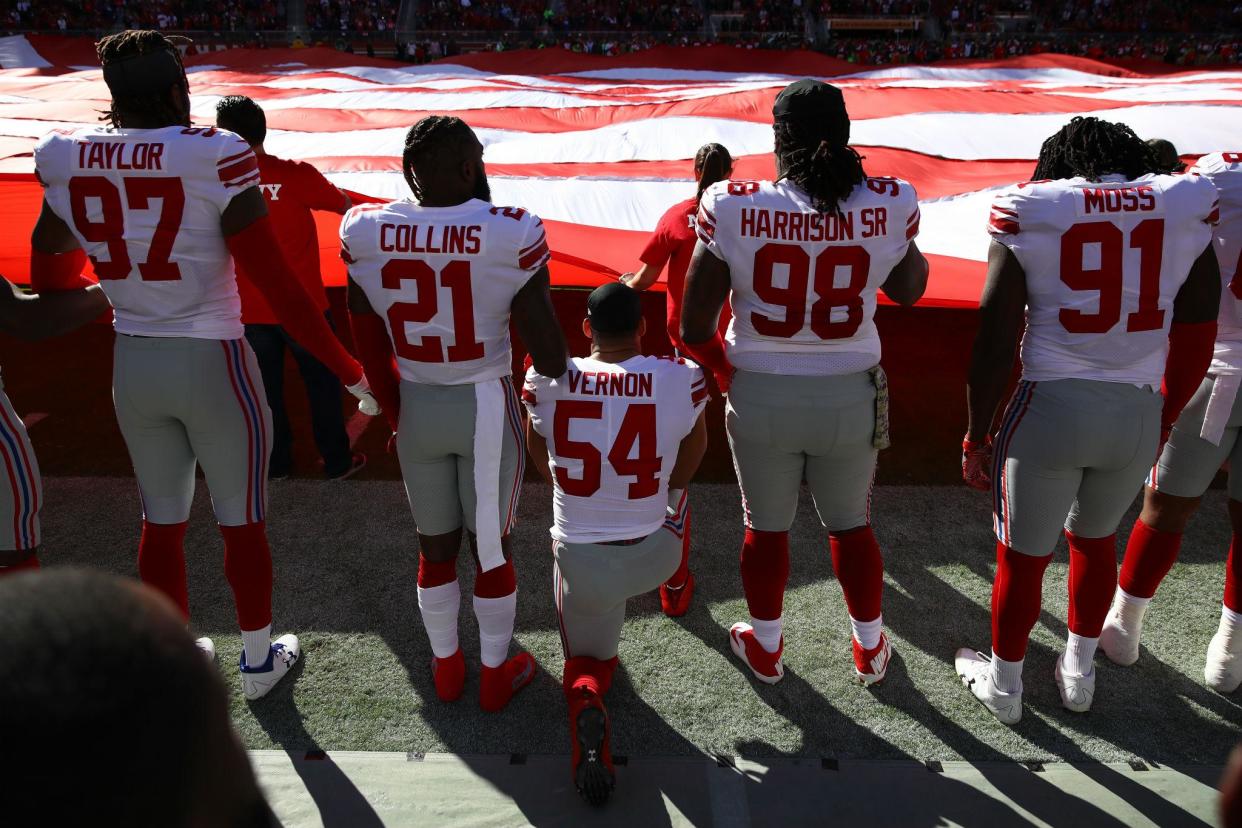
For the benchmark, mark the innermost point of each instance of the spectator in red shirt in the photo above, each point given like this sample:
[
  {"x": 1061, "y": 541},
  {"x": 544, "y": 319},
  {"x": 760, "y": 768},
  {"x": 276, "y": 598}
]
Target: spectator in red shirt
[{"x": 292, "y": 189}]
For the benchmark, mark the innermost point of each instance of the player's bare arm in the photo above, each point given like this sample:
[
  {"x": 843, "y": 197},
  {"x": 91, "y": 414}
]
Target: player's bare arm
[
  {"x": 538, "y": 326},
  {"x": 52, "y": 235},
  {"x": 40, "y": 316},
  {"x": 908, "y": 280},
  {"x": 1198, "y": 300},
  {"x": 689, "y": 455},
  {"x": 356, "y": 298},
  {"x": 244, "y": 210},
  {"x": 1001, "y": 310},
  {"x": 707, "y": 288},
  {"x": 643, "y": 278},
  {"x": 537, "y": 448}
]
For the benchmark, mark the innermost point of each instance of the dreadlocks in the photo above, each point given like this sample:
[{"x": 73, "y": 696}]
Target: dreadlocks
[
  {"x": 144, "y": 90},
  {"x": 434, "y": 139},
  {"x": 1091, "y": 148},
  {"x": 712, "y": 163},
  {"x": 810, "y": 158}
]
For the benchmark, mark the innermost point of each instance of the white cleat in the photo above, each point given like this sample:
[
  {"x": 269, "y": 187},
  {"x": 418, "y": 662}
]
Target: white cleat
[
  {"x": 1223, "y": 672},
  {"x": 257, "y": 682},
  {"x": 208, "y": 647},
  {"x": 1120, "y": 640},
  {"x": 975, "y": 670},
  {"x": 1077, "y": 692}
]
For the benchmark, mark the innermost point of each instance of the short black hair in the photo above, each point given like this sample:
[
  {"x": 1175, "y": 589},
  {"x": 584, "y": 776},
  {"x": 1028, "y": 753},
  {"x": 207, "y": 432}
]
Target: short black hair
[
  {"x": 615, "y": 310},
  {"x": 101, "y": 686},
  {"x": 1092, "y": 148},
  {"x": 145, "y": 89},
  {"x": 434, "y": 139},
  {"x": 242, "y": 115}
]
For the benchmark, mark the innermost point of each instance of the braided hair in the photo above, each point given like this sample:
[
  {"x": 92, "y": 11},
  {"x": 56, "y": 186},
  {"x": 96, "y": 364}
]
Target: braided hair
[
  {"x": 436, "y": 138},
  {"x": 810, "y": 157},
  {"x": 133, "y": 43},
  {"x": 712, "y": 163},
  {"x": 1092, "y": 148}
]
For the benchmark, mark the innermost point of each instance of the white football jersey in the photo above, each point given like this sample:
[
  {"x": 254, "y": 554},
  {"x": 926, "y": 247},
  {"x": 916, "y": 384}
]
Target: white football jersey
[
  {"x": 443, "y": 279},
  {"x": 613, "y": 432},
  {"x": 803, "y": 282},
  {"x": 1104, "y": 261},
  {"x": 145, "y": 205},
  {"x": 1224, "y": 170}
]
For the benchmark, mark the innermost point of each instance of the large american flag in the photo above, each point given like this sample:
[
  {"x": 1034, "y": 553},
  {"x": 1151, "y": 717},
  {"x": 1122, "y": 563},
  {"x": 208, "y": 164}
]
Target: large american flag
[{"x": 600, "y": 147}]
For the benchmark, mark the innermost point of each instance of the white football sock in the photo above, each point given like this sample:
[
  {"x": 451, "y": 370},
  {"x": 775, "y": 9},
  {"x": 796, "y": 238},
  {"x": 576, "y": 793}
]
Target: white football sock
[
  {"x": 674, "y": 499},
  {"x": 767, "y": 633},
  {"x": 1079, "y": 653},
  {"x": 439, "y": 606},
  {"x": 495, "y": 627},
  {"x": 1006, "y": 675},
  {"x": 867, "y": 633},
  {"x": 1129, "y": 609},
  {"x": 257, "y": 644},
  {"x": 1230, "y": 625}
]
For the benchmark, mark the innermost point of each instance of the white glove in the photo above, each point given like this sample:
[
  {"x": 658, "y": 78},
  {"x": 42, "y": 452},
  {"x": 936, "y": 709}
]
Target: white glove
[{"x": 366, "y": 402}]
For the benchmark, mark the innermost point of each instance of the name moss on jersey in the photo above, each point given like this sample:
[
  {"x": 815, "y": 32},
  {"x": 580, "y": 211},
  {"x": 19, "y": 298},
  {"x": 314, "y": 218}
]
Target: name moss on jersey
[
  {"x": 1224, "y": 170},
  {"x": 803, "y": 282},
  {"x": 444, "y": 279},
  {"x": 613, "y": 433},
  {"x": 145, "y": 206},
  {"x": 1103, "y": 262}
]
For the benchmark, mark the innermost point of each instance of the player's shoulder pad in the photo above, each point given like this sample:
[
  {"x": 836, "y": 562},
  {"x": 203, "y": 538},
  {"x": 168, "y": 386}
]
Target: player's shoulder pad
[
  {"x": 1218, "y": 162},
  {"x": 524, "y": 230},
  {"x": 1013, "y": 203},
  {"x": 52, "y": 152},
  {"x": 895, "y": 188}
]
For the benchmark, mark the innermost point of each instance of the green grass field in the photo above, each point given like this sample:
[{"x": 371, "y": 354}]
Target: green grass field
[{"x": 345, "y": 566}]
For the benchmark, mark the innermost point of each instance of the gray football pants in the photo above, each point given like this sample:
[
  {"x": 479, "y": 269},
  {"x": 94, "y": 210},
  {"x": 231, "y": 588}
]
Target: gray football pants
[
  {"x": 182, "y": 401},
  {"x": 1071, "y": 454},
  {"x": 1189, "y": 463},
  {"x": 21, "y": 487}
]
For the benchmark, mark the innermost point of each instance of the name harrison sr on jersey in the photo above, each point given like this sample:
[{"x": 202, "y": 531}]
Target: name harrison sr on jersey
[{"x": 812, "y": 227}]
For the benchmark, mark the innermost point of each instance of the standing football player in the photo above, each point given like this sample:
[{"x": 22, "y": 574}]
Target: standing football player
[
  {"x": 801, "y": 260},
  {"x": 613, "y": 435},
  {"x": 435, "y": 280},
  {"x": 1204, "y": 437},
  {"x": 163, "y": 211},
  {"x": 673, "y": 243},
  {"x": 1110, "y": 265},
  {"x": 36, "y": 316}
]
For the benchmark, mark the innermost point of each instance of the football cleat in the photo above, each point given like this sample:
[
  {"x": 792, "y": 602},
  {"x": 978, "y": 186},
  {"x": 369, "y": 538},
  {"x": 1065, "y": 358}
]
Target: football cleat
[
  {"x": 766, "y": 666},
  {"x": 676, "y": 602},
  {"x": 257, "y": 682},
  {"x": 497, "y": 685},
  {"x": 207, "y": 646},
  {"x": 594, "y": 775},
  {"x": 1223, "y": 671},
  {"x": 449, "y": 675},
  {"x": 975, "y": 670},
  {"x": 870, "y": 666},
  {"x": 357, "y": 463},
  {"x": 1077, "y": 692},
  {"x": 1120, "y": 637}
]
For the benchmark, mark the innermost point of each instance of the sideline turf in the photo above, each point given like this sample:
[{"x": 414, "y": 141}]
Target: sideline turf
[{"x": 345, "y": 565}]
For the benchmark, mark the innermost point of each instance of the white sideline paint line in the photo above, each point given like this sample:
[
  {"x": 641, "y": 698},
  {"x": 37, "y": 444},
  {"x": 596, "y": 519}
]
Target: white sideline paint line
[
  {"x": 357, "y": 424},
  {"x": 33, "y": 418}
]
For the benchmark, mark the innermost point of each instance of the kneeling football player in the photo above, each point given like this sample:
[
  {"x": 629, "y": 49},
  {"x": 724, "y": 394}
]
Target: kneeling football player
[{"x": 619, "y": 436}]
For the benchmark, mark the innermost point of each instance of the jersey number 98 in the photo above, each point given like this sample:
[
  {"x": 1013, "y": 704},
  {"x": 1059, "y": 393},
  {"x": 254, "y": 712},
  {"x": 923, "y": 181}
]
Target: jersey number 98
[{"x": 796, "y": 294}]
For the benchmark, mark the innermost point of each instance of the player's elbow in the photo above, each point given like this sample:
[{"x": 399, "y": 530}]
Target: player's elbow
[{"x": 551, "y": 364}]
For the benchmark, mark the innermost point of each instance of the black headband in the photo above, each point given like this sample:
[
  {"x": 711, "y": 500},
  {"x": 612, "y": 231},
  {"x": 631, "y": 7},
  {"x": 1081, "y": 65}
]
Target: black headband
[{"x": 146, "y": 74}]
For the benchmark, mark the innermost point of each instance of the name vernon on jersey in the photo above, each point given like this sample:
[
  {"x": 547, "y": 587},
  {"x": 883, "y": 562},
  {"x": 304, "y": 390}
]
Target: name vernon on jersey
[{"x": 608, "y": 384}]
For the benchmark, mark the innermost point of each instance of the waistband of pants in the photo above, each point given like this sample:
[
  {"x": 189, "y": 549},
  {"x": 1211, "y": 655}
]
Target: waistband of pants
[{"x": 629, "y": 542}]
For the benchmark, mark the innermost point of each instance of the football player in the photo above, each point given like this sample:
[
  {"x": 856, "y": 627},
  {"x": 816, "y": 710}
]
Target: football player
[
  {"x": 614, "y": 435},
  {"x": 1205, "y": 435},
  {"x": 164, "y": 211},
  {"x": 673, "y": 243},
  {"x": 28, "y": 316},
  {"x": 801, "y": 260},
  {"x": 1110, "y": 265},
  {"x": 435, "y": 280}
]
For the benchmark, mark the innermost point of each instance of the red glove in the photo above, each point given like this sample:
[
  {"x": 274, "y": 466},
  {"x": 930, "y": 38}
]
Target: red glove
[
  {"x": 54, "y": 272},
  {"x": 375, "y": 349},
  {"x": 1190, "y": 354},
  {"x": 257, "y": 254},
  {"x": 977, "y": 464}
]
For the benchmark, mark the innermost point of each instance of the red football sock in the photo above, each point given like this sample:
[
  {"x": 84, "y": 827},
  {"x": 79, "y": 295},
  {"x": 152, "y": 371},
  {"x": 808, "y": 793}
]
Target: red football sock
[
  {"x": 1092, "y": 582},
  {"x": 436, "y": 573},
  {"x": 21, "y": 566},
  {"x": 1233, "y": 578},
  {"x": 495, "y": 583},
  {"x": 1150, "y": 555},
  {"x": 588, "y": 673},
  {"x": 860, "y": 568},
  {"x": 161, "y": 561},
  {"x": 765, "y": 571},
  {"x": 1017, "y": 593},
  {"x": 248, "y": 566},
  {"x": 678, "y": 579}
]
